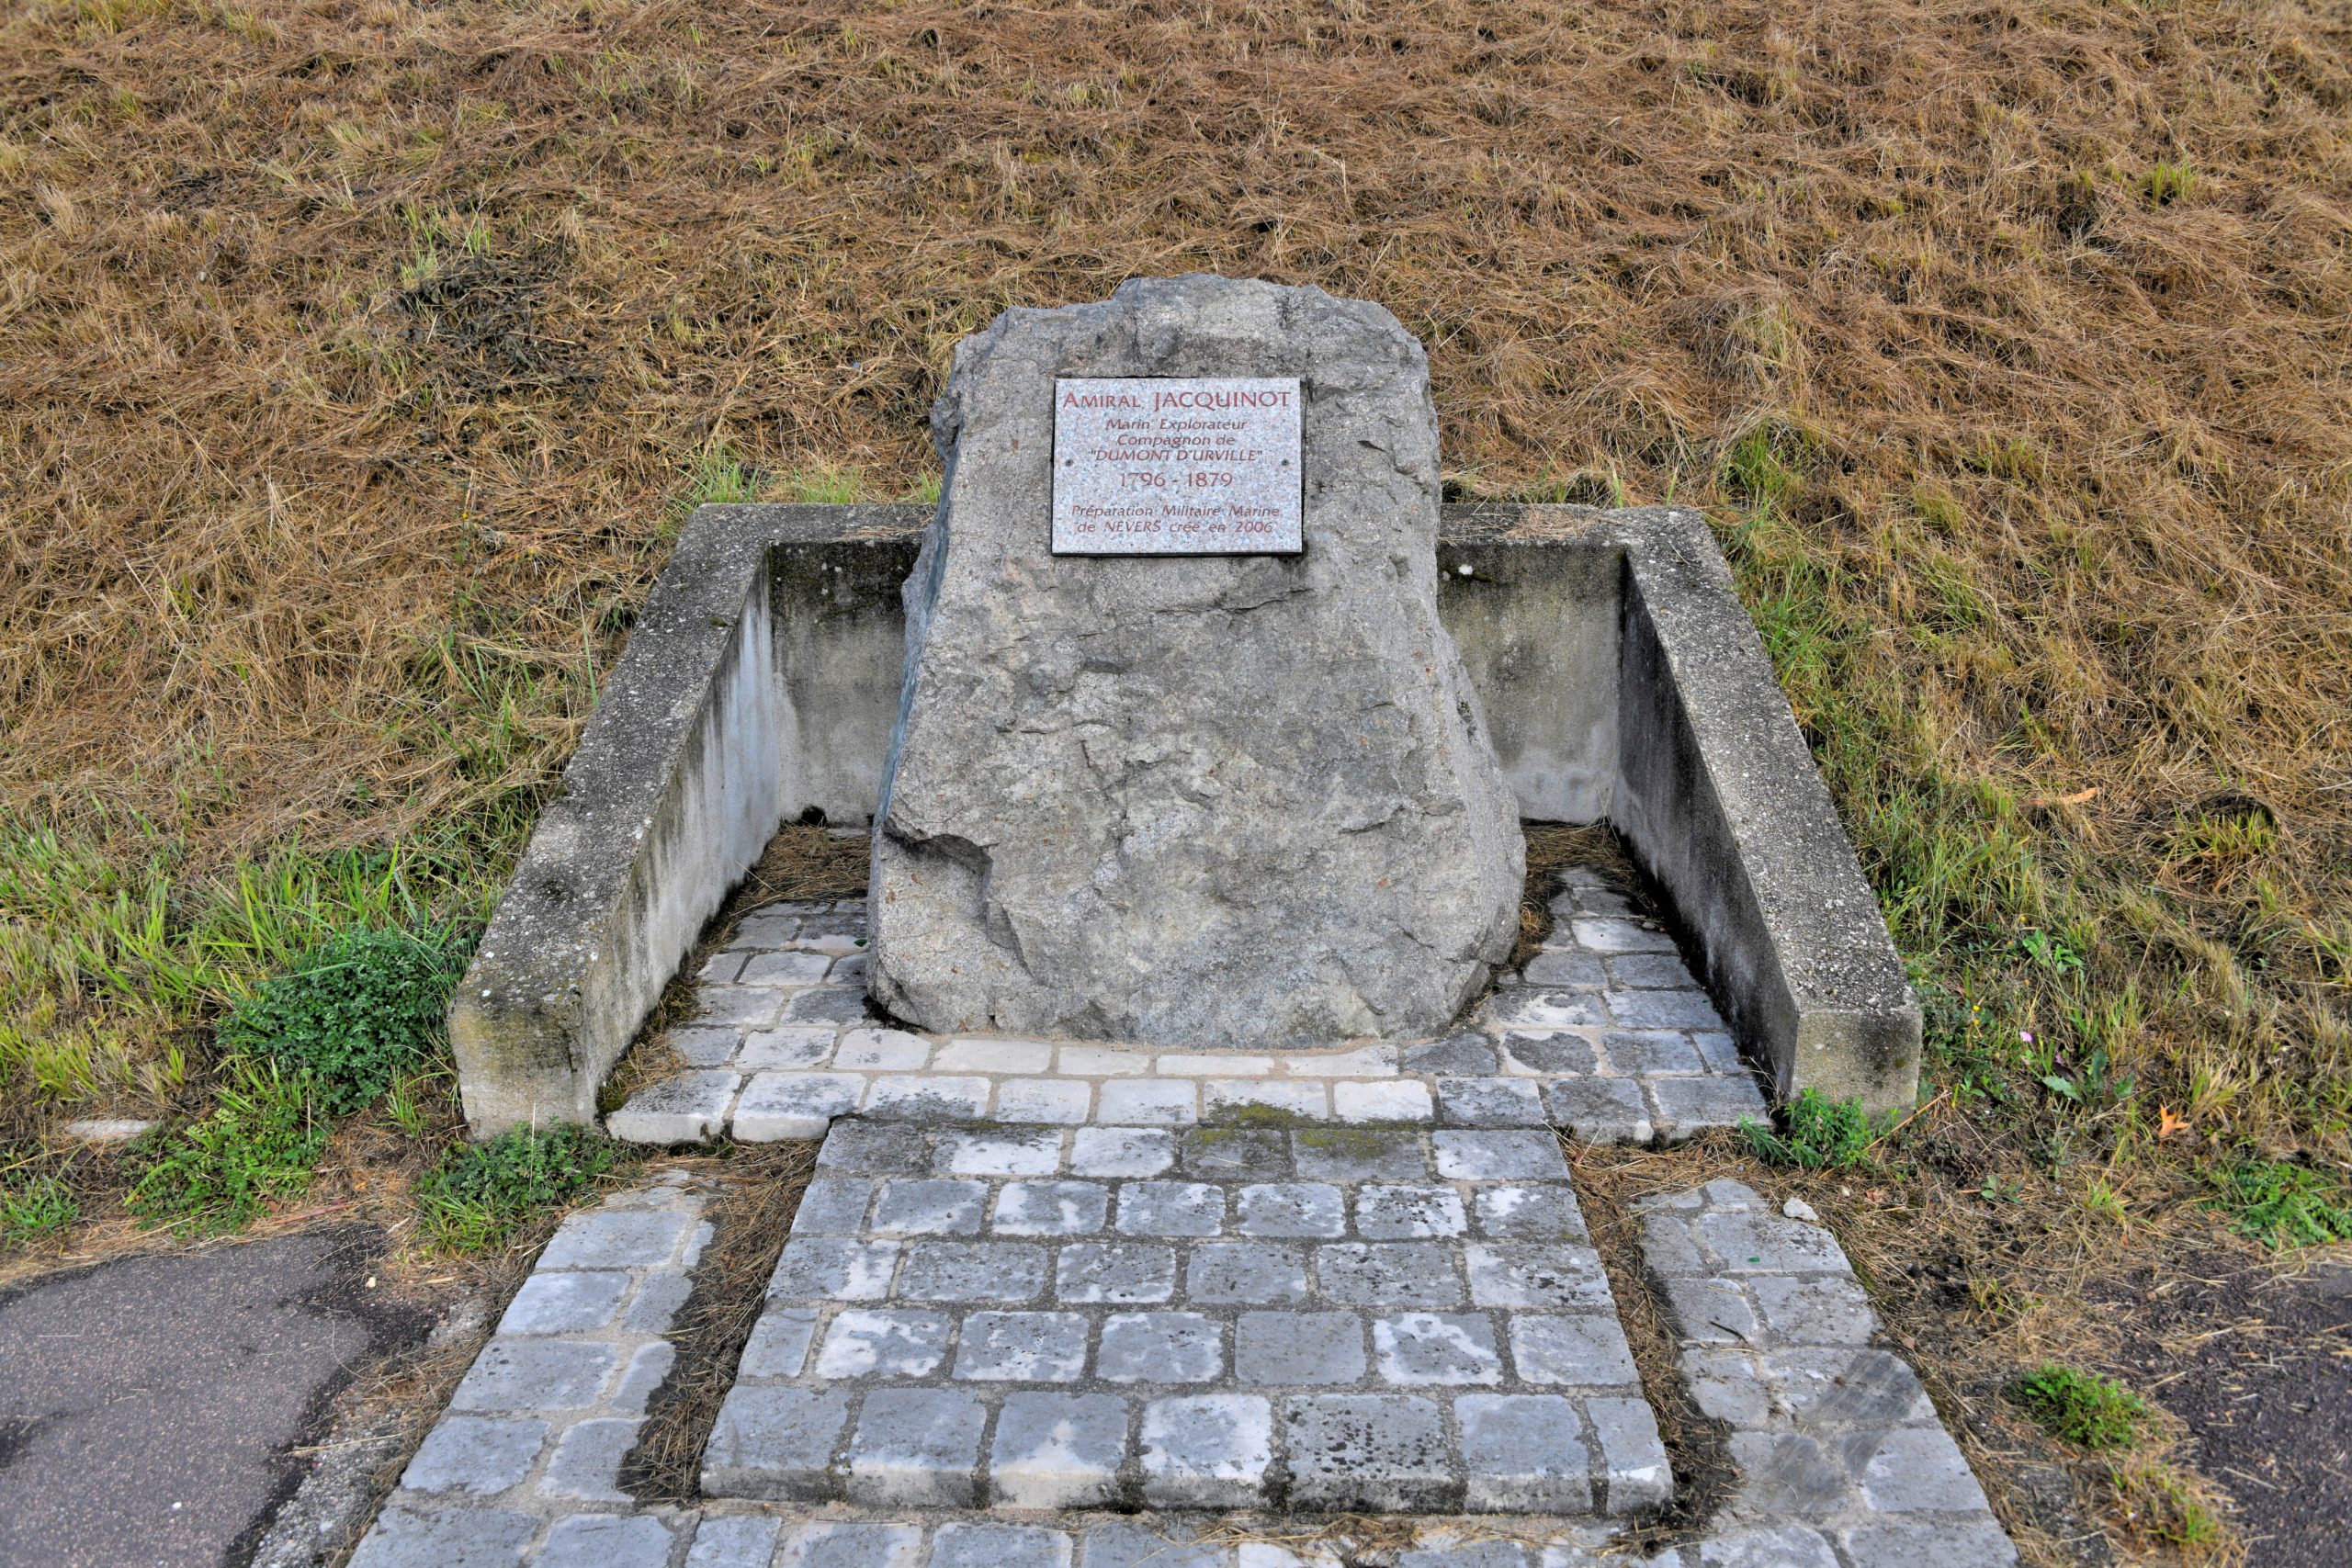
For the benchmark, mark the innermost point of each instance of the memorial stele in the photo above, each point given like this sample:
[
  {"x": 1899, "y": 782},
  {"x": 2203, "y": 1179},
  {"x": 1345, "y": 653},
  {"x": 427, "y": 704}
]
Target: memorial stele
[{"x": 1183, "y": 755}]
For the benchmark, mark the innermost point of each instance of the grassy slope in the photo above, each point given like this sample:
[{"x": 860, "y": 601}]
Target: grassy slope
[{"x": 359, "y": 354}]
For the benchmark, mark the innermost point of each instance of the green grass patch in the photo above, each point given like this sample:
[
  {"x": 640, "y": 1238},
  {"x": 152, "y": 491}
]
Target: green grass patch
[
  {"x": 34, "y": 1206},
  {"x": 1821, "y": 1134},
  {"x": 481, "y": 1193},
  {"x": 356, "y": 1012},
  {"x": 259, "y": 1143},
  {"x": 2281, "y": 1204},
  {"x": 2081, "y": 1407}
]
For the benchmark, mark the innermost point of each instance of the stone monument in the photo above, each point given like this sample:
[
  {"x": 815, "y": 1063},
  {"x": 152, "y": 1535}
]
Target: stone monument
[{"x": 1182, "y": 754}]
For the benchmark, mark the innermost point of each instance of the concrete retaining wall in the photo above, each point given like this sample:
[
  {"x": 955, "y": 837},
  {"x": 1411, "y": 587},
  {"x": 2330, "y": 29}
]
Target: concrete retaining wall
[{"x": 1619, "y": 677}]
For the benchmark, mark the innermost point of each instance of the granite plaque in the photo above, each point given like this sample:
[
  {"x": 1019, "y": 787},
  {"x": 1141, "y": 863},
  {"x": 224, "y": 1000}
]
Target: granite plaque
[{"x": 1169, "y": 466}]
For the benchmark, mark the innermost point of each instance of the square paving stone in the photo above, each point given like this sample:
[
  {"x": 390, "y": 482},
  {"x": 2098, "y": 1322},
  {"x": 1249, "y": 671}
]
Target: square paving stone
[
  {"x": 1386, "y": 1452},
  {"x": 1531, "y": 1210},
  {"x": 607, "y": 1239},
  {"x": 1121, "y": 1151},
  {"x": 1915, "y": 1468},
  {"x": 1000, "y": 1546},
  {"x": 1409, "y": 1214},
  {"x": 882, "y": 1050},
  {"x": 784, "y": 1049},
  {"x": 1549, "y": 1054},
  {"x": 899, "y": 1343},
  {"x": 851, "y": 1545},
  {"x": 1523, "y": 1453},
  {"x": 930, "y": 1206},
  {"x": 1686, "y": 1106},
  {"x": 1223, "y": 1154},
  {"x": 779, "y": 1343},
  {"x": 833, "y": 1205},
  {"x": 1712, "y": 1311},
  {"x": 751, "y": 1006},
  {"x": 1244, "y": 1099},
  {"x": 737, "y": 1541},
  {"x": 1650, "y": 972},
  {"x": 1391, "y": 1100},
  {"x": 1246, "y": 1273},
  {"x": 1356, "y": 1154},
  {"x": 775, "y": 1441},
  {"x": 875, "y": 1148},
  {"x": 1565, "y": 968},
  {"x": 1291, "y": 1209},
  {"x": 972, "y": 1272},
  {"x": 1608, "y": 936},
  {"x": 446, "y": 1537},
  {"x": 1058, "y": 1450},
  {"x": 586, "y": 1464},
  {"x": 1499, "y": 1156},
  {"x": 783, "y": 969},
  {"x": 832, "y": 1267},
  {"x": 1664, "y": 1010},
  {"x": 1914, "y": 1544},
  {"x": 1462, "y": 1054},
  {"x": 1845, "y": 1386},
  {"x": 1720, "y": 1051},
  {"x": 479, "y": 1454},
  {"x": 1277, "y": 1349},
  {"x": 1823, "y": 1310},
  {"x": 923, "y": 1097},
  {"x": 1171, "y": 1208},
  {"x": 1160, "y": 1544},
  {"x": 1524, "y": 1275},
  {"x": 1647, "y": 1052},
  {"x": 1149, "y": 1102},
  {"x": 1065, "y": 1100},
  {"x": 1387, "y": 1274},
  {"x": 1600, "y": 1110},
  {"x": 1035, "y": 1153},
  {"x": 1436, "y": 1349},
  {"x": 1023, "y": 1347},
  {"x": 1490, "y": 1102},
  {"x": 1051, "y": 1208},
  {"x": 1159, "y": 1346},
  {"x": 535, "y": 1375},
  {"x": 1207, "y": 1451},
  {"x": 686, "y": 1108},
  {"x": 826, "y": 1004},
  {"x": 1578, "y": 1350},
  {"x": 1766, "y": 1244},
  {"x": 565, "y": 1302},
  {"x": 995, "y": 1055},
  {"x": 1124, "y": 1273},
  {"x": 776, "y": 1106},
  {"x": 1632, "y": 1460},
  {"x": 916, "y": 1447},
  {"x": 1532, "y": 1007},
  {"x": 711, "y": 1047}
]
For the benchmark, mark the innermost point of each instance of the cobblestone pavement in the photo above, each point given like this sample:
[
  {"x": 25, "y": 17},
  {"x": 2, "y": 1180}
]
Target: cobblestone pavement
[
  {"x": 1604, "y": 1033},
  {"x": 1841, "y": 1462},
  {"x": 1329, "y": 1319}
]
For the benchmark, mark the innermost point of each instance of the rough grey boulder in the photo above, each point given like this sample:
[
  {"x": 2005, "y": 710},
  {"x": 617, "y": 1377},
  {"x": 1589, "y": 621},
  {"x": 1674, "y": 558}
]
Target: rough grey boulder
[{"x": 1214, "y": 801}]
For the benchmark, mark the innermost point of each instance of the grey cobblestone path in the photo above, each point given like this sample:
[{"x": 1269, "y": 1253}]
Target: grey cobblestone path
[
  {"x": 1325, "y": 1318},
  {"x": 1841, "y": 1462},
  {"x": 1604, "y": 1032}
]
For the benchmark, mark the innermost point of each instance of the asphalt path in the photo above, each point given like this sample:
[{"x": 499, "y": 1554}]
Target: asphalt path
[{"x": 149, "y": 1407}]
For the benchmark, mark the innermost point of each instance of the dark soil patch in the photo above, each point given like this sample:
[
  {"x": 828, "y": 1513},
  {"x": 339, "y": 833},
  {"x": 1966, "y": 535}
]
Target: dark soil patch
[{"x": 2258, "y": 1366}]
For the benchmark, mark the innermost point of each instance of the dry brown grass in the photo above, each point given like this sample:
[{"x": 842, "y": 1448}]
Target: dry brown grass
[{"x": 361, "y": 352}]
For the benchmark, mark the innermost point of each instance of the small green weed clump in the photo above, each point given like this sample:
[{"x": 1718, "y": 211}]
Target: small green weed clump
[
  {"x": 479, "y": 1193},
  {"x": 2282, "y": 1204},
  {"x": 265, "y": 1134},
  {"x": 356, "y": 1013},
  {"x": 2081, "y": 1407},
  {"x": 32, "y": 1207},
  {"x": 1822, "y": 1134}
]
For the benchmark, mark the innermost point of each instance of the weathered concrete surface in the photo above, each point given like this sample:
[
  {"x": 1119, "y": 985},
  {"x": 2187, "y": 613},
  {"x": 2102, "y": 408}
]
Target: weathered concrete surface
[
  {"x": 148, "y": 1407},
  {"x": 1718, "y": 798},
  {"x": 1223, "y": 802},
  {"x": 677, "y": 786}
]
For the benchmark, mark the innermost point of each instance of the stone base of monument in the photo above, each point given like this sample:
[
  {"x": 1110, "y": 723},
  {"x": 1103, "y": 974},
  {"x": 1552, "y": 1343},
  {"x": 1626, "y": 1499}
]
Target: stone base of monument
[{"x": 1620, "y": 678}]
